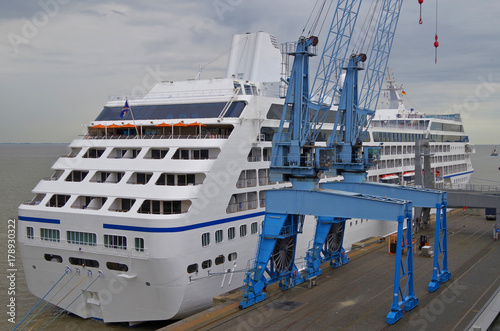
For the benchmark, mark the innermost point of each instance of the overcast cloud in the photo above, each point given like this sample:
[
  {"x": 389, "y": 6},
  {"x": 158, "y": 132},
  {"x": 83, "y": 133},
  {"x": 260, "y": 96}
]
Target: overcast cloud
[{"x": 62, "y": 58}]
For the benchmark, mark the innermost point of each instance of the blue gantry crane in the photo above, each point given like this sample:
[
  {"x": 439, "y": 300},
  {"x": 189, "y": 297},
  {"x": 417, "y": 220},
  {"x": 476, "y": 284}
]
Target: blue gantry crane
[{"x": 299, "y": 159}]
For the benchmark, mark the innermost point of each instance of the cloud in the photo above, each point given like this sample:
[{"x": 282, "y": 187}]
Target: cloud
[{"x": 90, "y": 49}]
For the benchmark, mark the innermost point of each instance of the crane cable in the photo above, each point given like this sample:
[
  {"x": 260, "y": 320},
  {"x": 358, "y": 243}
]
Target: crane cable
[{"x": 436, "y": 42}]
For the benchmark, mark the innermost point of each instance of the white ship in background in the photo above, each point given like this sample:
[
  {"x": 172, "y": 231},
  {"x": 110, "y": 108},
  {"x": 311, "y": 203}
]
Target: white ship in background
[{"x": 162, "y": 221}]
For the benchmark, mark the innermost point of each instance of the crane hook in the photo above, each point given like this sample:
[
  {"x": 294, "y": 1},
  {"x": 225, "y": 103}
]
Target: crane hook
[{"x": 420, "y": 3}]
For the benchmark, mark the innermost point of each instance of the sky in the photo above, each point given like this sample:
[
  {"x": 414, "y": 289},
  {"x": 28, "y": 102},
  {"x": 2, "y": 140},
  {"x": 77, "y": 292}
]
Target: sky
[{"x": 61, "y": 59}]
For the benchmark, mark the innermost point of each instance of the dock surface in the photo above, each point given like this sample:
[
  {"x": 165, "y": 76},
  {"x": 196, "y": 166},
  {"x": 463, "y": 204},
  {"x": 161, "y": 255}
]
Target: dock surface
[{"x": 358, "y": 295}]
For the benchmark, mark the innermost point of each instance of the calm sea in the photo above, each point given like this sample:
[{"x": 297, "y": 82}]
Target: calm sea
[{"x": 23, "y": 165}]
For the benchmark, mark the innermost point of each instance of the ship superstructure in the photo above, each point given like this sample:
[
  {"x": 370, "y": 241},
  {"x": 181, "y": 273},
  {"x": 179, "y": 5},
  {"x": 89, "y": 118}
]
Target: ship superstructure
[{"x": 160, "y": 207}]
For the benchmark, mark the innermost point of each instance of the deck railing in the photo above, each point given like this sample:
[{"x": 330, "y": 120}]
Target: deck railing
[{"x": 157, "y": 136}]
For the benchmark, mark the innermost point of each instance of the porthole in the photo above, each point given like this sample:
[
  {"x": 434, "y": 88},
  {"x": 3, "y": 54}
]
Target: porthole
[{"x": 192, "y": 268}]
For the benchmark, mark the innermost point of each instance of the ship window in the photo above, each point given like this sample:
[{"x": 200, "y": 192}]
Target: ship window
[
  {"x": 180, "y": 179},
  {"x": 243, "y": 230},
  {"x": 140, "y": 178},
  {"x": 58, "y": 200},
  {"x": 192, "y": 268},
  {"x": 117, "y": 266},
  {"x": 93, "y": 153},
  {"x": 157, "y": 154},
  {"x": 50, "y": 234},
  {"x": 117, "y": 242},
  {"x": 74, "y": 151},
  {"x": 219, "y": 236},
  {"x": 174, "y": 111},
  {"x": 36, "y": 200},
  {"x": 263, "y": 177},
  {"x": 206, "y": 264},
  {"x": 30, "y": 232},
  {"x": 237, "y": 87},
  {"x": 253, "y": 228},
  {"x": 139, "y": 244},
  {"x": 205, "y": 239},
  {"x": 262, "y": 199},
  {"x": 220, "y": 259},
  {"x": 52, "y": 258},
  {"x": 122, "y": 205},
  {"x": 267, "y": 153},
  {"x": 248, "y": 90},
  {"x": 254, "y": 155},
  {"x": 231, "y": 233},
  {"x": 84, "y": 262},
  {"x": 76, "y": 176},
  {"x": 124, "y": 153},
  {"x": 81, "y": 238},
  {"x": 164, "y": 207},
  {"x": 107, "y": 177},
  {"x": 92, "y": 203},
  {"x": 232, "y": 256}
]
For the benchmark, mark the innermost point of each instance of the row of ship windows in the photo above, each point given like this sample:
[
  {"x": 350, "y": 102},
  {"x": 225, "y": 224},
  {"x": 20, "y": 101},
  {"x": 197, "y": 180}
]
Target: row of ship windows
[
  {"x": 152, "y": 153},
  {"x": 118, "y": 204},
  {"x": 138, "y": 178},
  {"x": 247, "y": 178},
  {"x": 256, "y": 154},
  {"x": 208, "y": 263},
  {"x": 410, "y": 149},
  {"x": 86, "y": 262},
  {"x": 387, "y": 164},
  {"x": 411, "y": 137},
  {"x": 85, "y": 238},
  {"x": 237, "y": 203},
  {"x": 231, "y": 234}
]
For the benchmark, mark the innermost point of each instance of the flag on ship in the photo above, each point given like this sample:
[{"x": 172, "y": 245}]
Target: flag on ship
[
  {"x": 125, "y": 110},
  {"x": 403, "y": 92}
]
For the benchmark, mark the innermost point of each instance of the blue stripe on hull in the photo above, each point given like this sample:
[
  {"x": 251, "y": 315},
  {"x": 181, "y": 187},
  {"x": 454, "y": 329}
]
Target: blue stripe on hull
[
  {"x": 463, "y": 173},
  {"x": 148, "y": 229},
  {"x": 39, "y": 220},
  {"x": 180, "y": 228}
]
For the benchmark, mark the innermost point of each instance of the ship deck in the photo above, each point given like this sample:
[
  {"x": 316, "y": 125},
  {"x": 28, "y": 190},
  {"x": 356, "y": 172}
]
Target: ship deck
[{"x": 358, "y": 295}]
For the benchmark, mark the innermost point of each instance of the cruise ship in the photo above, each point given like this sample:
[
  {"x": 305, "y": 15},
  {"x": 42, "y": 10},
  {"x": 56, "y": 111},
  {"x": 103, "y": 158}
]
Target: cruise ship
[{"x": 158, "y": 208}]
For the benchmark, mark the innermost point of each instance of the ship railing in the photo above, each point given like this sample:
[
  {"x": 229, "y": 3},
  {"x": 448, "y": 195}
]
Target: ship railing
[
  {"x": 157, "y": 136},
  {"x": 175, "y": 95},
  {"x": 470, "y": 187},
  {"x": 399, "y": 126}
]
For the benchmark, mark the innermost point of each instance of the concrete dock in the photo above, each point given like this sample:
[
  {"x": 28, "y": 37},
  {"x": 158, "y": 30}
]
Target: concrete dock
[{"x": 358, "y": 295}]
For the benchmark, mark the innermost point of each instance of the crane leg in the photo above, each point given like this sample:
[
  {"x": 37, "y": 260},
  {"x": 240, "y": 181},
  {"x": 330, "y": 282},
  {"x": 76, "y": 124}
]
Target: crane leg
[
  {"x": 440, "y": 272},
  {"x": 407, "y": 296}
]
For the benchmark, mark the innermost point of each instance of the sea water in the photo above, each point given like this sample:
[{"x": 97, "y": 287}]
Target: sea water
[{"x": 22, "y": 166}]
